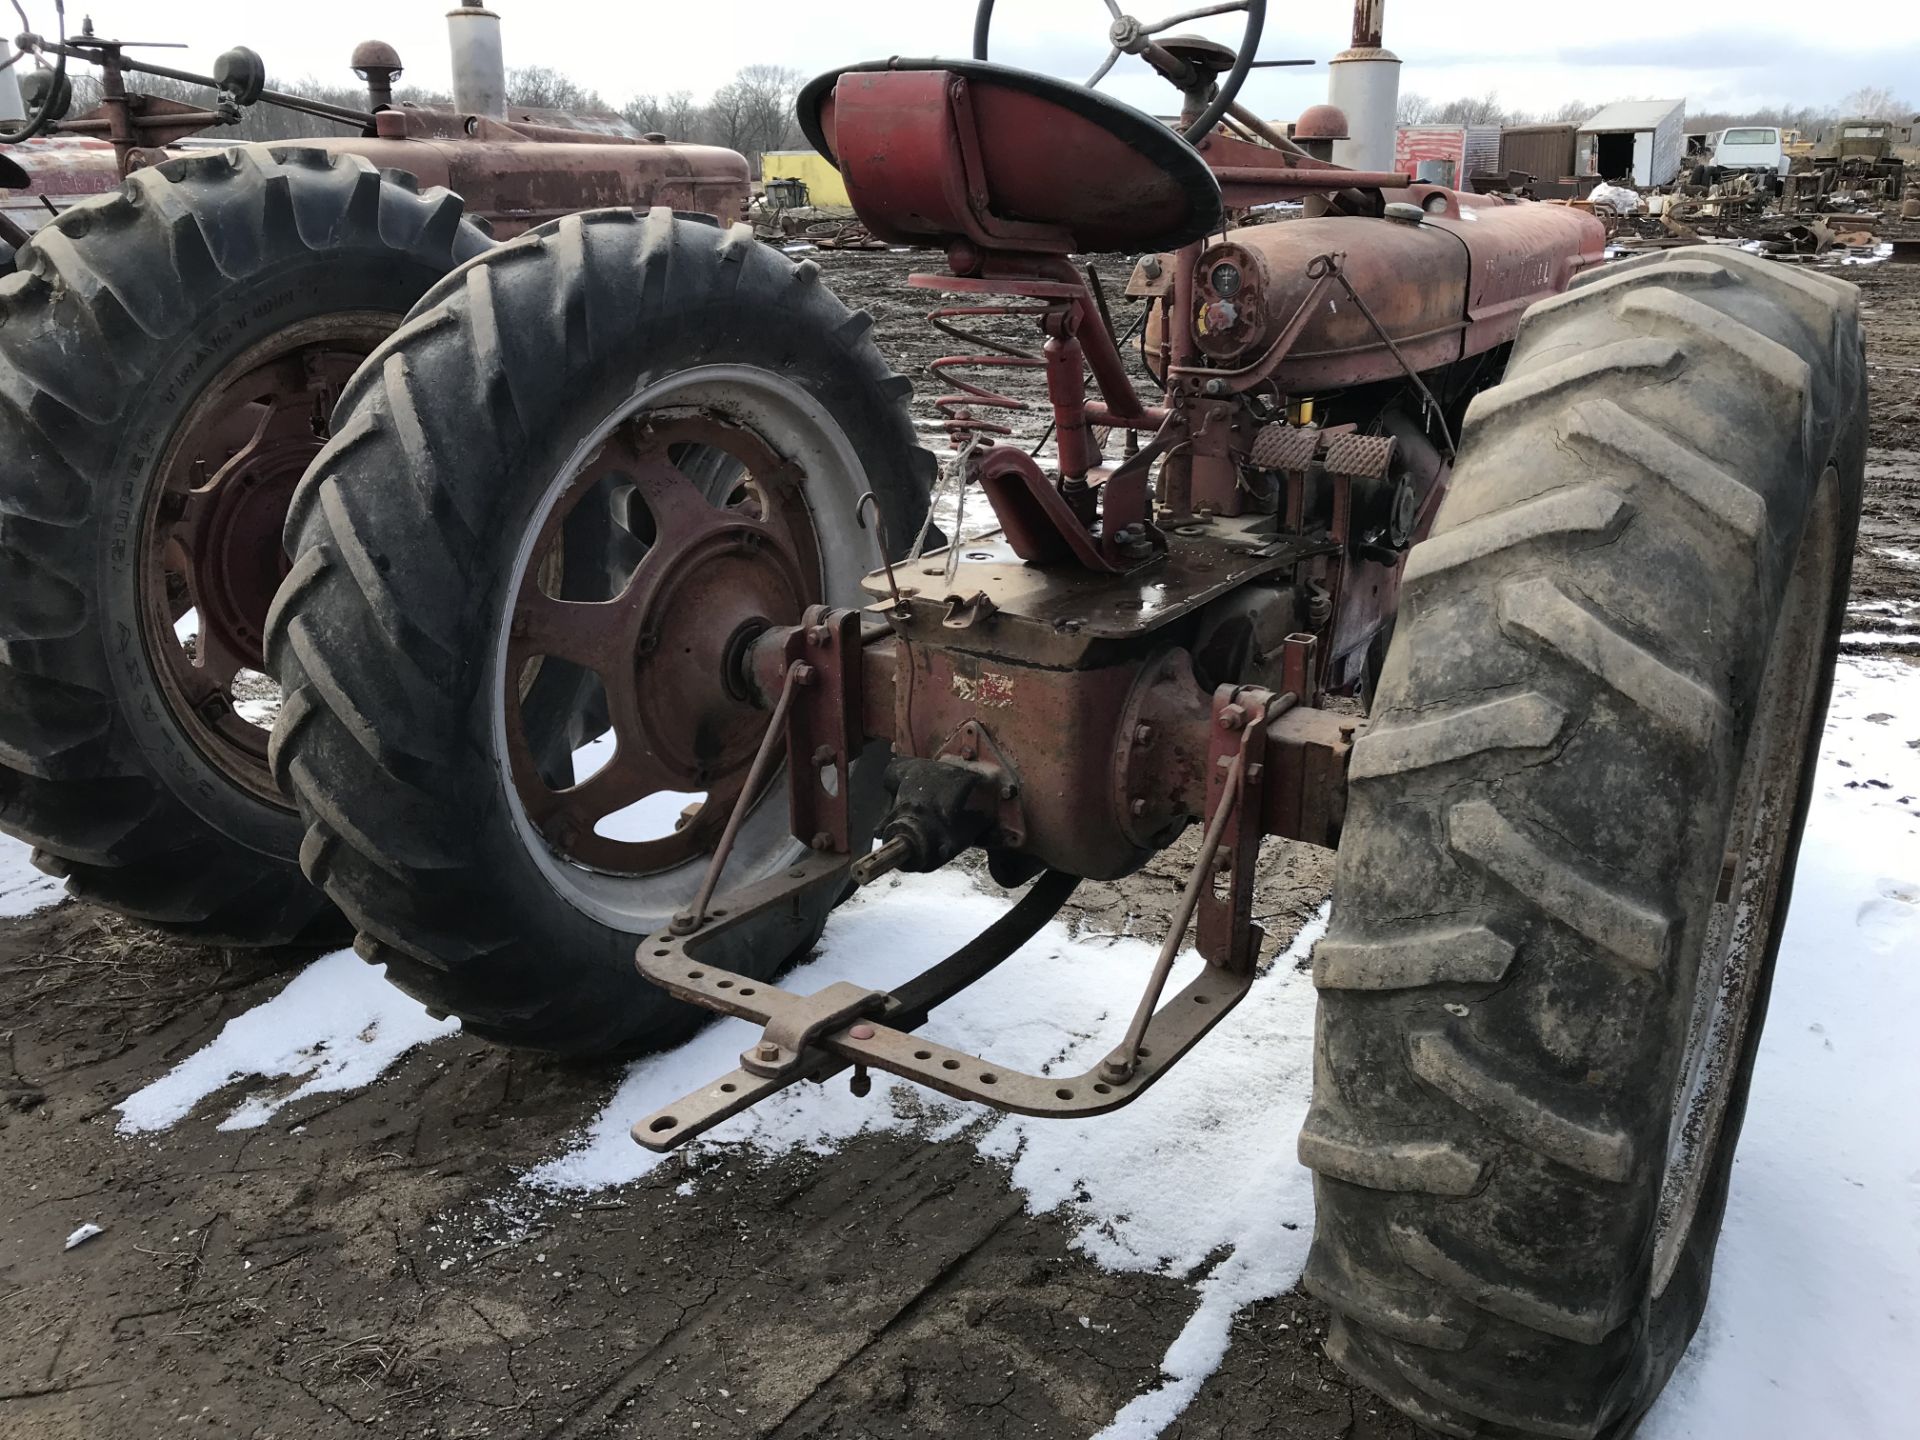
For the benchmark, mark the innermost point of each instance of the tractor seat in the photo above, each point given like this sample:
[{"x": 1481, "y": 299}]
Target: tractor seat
[{"x": 935, "y": 151}]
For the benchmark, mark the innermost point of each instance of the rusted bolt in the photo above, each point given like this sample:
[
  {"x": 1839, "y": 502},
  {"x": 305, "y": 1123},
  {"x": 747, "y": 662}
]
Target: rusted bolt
[
  {"x": 1143, "y": 735},
  {"x": 803, "y": 674},
  {"x": 968, "y": 752},
  {"x": 1347, "y": 727},
  {"x": 1009, "y": 790},
  {"x": 822, "y": 841},
  {"x": 821, "y": 635},
  {"x": 1233, "y": 717},
  {"x": 768, "y": 1052},
  {"x": 861, "y": 1032},
  {"x": 824, "y": 756},
  {"x": 861, "y": 1084},
  {"x": 1137, "y": 808}
]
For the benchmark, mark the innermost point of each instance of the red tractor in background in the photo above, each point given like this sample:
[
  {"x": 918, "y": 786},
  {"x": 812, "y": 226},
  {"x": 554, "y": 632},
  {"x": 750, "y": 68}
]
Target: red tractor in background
[
  {"x": 582, "y": 662},
  {"x": 174, "y": 349}
]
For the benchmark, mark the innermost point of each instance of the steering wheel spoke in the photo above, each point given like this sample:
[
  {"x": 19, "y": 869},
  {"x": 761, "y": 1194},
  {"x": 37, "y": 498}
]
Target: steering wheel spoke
[{"x": 1127, "y": 35}]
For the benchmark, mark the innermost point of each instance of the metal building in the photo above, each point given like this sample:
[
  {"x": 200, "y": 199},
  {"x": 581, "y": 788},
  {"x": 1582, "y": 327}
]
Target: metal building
[{"x": 1637, "y": 142}]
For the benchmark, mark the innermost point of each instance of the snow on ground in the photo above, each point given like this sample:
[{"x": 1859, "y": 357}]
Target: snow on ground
[
  {"x": 1815, "y": 1312},
  {"x": 23, "y": 889},
  {"x": 1221, "y": 1124},
  {"x": 336, "y": 1026},
  {"x": 1814, "y": 1319}
]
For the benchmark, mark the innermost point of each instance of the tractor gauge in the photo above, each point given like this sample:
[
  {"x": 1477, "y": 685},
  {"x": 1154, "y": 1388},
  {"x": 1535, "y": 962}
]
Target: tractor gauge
[{"x": 1225, "y": 280}]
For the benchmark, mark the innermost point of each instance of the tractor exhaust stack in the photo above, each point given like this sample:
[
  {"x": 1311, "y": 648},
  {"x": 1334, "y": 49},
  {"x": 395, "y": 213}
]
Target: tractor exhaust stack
[
  {"x": 479, "y": 65},
  {"x": 1364, "y": 82}
]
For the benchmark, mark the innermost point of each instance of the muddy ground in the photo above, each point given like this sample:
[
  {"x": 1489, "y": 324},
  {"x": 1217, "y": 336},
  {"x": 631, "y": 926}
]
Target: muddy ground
[{"x": 365, "y": 1264}]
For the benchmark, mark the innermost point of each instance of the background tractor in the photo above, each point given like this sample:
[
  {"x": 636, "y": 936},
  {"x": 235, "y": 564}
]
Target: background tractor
[{"x": 172, "y": 353}]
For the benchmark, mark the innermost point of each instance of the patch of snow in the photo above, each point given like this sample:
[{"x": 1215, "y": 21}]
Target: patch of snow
[
  {"x": 1879, "y": 637},
  {"x": 652, "y": 817},
  {"x": 1881, "y": 251},
  {"x": 1813, "y": 1322},
  {"x": 337, "y": 1026},
  {"x": 83, "y": 1234},
  {"x": 23, "y": 889},
  {"x": 1221, "y": 1123}
]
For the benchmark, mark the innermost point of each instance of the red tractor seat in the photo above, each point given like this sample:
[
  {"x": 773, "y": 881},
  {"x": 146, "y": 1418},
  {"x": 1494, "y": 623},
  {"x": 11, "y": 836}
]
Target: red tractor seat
[{"x": 934, "y": 151}]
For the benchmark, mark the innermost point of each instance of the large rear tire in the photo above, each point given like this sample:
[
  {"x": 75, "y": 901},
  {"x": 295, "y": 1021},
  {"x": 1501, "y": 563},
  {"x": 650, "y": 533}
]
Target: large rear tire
[
  {"x": 1570, "y": 845},
  {"x": 168, "y": 360},
  {"x": 447, "y": 676}
]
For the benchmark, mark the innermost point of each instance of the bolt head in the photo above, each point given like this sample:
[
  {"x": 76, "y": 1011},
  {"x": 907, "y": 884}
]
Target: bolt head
[
  {"x": 822, "y": 841},
  {"x": 1233, "y": 718},
  {"x": 768, "y": 1051},
  {"x": 1143, "y": 735},
  {"x": 824, "y": 756}
]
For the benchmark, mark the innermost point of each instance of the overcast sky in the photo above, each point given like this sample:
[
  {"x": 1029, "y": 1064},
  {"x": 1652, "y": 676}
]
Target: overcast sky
[{"x": 1537, "y": 54}]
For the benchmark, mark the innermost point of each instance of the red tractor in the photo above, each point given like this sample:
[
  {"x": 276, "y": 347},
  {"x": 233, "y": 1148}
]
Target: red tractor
[
  {"x": 582, "y": 661},
  {"x": 173, "y": 348}
]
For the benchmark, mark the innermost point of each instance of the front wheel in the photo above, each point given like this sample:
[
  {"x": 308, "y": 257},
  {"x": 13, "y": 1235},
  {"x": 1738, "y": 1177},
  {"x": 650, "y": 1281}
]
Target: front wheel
[
  {"x": 589, "y": 469},
  {"x": 1570, "y": 846}
]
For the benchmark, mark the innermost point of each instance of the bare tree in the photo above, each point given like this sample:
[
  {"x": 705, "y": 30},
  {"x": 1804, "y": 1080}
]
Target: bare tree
[
  {"x": 541, "y": 87},
  {"x": 645, "y": 113},
  {"x": 1415, "y": 108},
  {"x": 1875, "y": 102},
  {"x": 1471, "y": 110},
  {"x": 767, "y": 94},
  {"x": 726, "y": 115},
  {"x": 680, "y": 115}
]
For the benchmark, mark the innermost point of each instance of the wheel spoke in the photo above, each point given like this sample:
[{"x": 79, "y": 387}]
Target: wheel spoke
[
  {"x": 630, "y": 776},
  {"x": 593, "y": 634},
  {"x": 1113, "y": 58},
  {"x": 215, "y": 666},
  {"x": 681, "y": 511}
]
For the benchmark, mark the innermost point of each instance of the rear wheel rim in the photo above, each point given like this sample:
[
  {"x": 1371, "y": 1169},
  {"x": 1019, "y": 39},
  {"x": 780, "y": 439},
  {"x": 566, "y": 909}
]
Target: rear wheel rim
[
  {"x": 1743, "y": 924},
  {"x": 765, "y": 457},
  {"x": 211, "y": 550}
]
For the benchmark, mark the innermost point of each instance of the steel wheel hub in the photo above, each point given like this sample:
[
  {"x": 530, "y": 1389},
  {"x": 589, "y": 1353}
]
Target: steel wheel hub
[
  {"x": 728, "y": 549},
  {"x": 212, "y": 554}
]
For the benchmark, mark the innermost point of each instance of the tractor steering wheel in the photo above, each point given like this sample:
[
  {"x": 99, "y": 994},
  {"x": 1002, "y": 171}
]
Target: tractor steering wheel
[
  {"x": 1128, "y": 36},
  {"x": 50, "y": 104}
]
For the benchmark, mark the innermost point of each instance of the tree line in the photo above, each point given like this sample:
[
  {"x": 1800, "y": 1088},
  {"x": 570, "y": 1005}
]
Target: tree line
[{"x": 1870, "y": 102}]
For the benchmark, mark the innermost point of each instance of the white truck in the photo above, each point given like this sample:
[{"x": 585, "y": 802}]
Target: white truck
[{"x": 1756, "y": 149}]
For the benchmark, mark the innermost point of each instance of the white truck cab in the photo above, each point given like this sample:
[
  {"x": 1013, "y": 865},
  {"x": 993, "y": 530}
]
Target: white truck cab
[{"x": 1750, "y": 147}]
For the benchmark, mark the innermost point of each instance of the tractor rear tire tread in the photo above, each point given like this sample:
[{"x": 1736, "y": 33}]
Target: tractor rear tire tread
[
  {"x": 377, "y": 656},
  {"x": 1533, "y": 837}
]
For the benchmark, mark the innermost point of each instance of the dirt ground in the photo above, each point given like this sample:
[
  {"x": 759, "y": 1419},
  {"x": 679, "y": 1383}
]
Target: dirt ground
[{"x": 365, "y": 1264}]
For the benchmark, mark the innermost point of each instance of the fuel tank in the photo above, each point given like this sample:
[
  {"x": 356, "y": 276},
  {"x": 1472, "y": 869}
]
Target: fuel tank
[{"x": 1447, "y": 286}]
